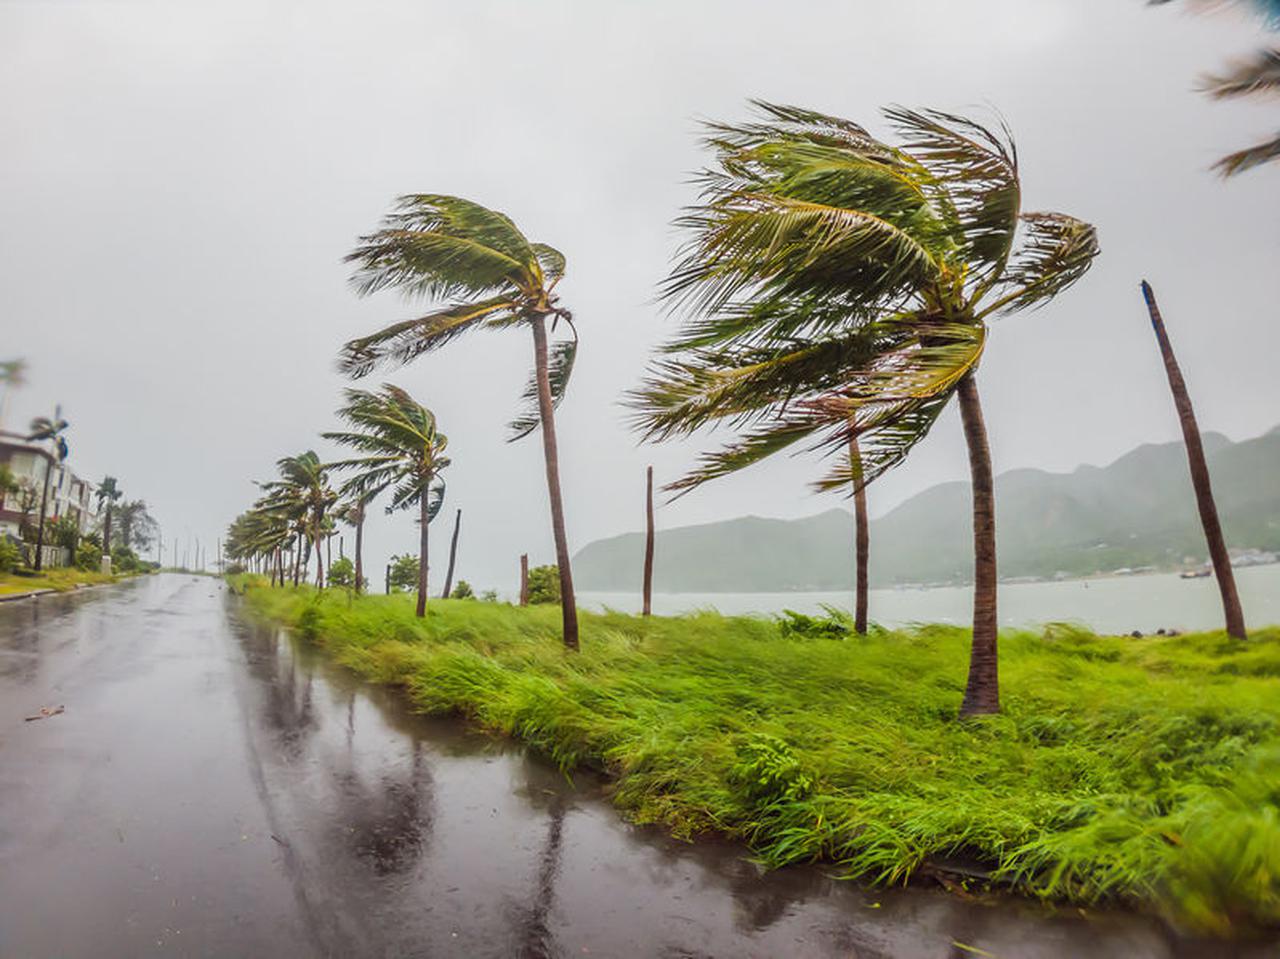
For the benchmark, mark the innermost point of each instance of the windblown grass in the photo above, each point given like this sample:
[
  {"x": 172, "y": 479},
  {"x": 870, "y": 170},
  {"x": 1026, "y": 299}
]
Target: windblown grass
[
  {"x": 1143, "y": 771},
  {"x": 61, "y": 579}
]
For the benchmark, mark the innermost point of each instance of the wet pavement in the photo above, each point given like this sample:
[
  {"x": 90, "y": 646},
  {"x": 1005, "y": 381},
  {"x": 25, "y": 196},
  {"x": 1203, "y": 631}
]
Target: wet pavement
[{"x": 218, "y": 789}]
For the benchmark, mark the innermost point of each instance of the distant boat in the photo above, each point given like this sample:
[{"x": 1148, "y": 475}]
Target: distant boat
[{"x": 1194, "y": 573}]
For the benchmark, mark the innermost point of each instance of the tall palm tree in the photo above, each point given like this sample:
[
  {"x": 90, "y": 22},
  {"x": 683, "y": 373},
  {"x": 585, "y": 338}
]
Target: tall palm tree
[
  {"x": 107, "y": 493},
  {"x": 44, "y": 429},
  {"x": 403, "y": 451},
  {"x": 303, "y": 493},
  {"x": 839, "y": 287},
  {"x": 479, "y": 271},
  {"x": 1199, "y": 467},
  {"x": 1255, "y": 76}
]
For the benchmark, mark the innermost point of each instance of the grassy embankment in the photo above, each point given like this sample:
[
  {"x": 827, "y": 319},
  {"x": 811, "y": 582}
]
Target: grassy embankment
[
  {"x": 61, "y": 579},
  {"x": 1140, "y": 771}
]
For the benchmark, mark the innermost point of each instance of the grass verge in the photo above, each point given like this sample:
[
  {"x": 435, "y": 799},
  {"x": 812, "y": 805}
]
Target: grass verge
[
  {"x": 1138, "y": 771},
  {"x": 62, "y": 579}
]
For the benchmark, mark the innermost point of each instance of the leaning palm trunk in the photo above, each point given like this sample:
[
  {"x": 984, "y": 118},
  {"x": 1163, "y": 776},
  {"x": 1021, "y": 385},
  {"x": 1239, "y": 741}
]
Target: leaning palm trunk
[
  {"x": 359, "y": 553},
  {"x": 982, "y": 694},
  {"x": 861, "y": 538},
  {"x": 453, "y": 555},
  {"x": 647, "y": 607},
  {"x": 1218, "y": 554},
  {"x": 44, "y": 503},
  {"x": 424, "y": 521},
  {"x": 546, "y": 411}
]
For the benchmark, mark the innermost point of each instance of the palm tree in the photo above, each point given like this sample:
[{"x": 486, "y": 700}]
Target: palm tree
[
  {"x": 481, "y": 272},
  {"x": 1256, "y": 76},
  {"x": 107, "y": 493},
  {"x": 839, "y": 287},
  {"x": 303, "y": 494},
  {"x": 46, "y": 430},
  {"x": 403, "y": 451}
]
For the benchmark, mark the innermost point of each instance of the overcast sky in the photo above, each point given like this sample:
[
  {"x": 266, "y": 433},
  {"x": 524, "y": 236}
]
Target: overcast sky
[{"x": 179, "y": 182}]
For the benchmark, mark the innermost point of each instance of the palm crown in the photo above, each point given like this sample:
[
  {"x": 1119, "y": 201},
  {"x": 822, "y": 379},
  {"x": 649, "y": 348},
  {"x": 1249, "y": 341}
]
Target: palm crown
[
  {"x": 403, "y": 449},
  {"x": 479, "y": 265},
  {"x": 840, "y": 285}
]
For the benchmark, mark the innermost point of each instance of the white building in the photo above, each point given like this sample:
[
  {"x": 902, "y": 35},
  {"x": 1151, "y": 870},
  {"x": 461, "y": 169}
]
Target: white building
[{"x": 29, "y": 463}]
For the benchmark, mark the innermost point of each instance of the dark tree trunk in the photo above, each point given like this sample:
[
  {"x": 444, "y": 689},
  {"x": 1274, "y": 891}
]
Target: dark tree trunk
[
  {"x": 546, "y": 411},
  {"x": 861, "y": 537},
  {"x": 360, "y": 552},
  {"x": 982, "y": 694},
  {"x": 453, "y": 555},
  {"x": 106, "y": 534},
  {"x": 44, "y": 505},
  {"x": 647, "y": 608},
  {"x": 297, "y": 561},
  {"x": 423, "y": 522},
  {"x": 319, "y": 562},
  {"x": 1218, "y": 554},
  {"x": 524, "y": 579}
]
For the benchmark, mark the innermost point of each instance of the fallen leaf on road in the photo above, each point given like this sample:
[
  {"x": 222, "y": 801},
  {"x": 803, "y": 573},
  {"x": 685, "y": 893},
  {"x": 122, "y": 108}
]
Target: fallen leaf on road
[{"x": 46, "y": 712}]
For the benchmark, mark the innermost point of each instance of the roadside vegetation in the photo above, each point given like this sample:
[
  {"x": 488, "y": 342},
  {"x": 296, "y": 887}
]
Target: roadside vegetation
[{"x": 1119, "y": 771}]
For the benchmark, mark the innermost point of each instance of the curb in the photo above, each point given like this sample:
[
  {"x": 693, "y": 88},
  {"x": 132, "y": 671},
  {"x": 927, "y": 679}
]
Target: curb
[{"x": 14, "y": 597}]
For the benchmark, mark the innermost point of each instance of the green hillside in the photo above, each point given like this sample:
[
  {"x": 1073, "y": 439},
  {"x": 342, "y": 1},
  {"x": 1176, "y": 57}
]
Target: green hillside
[{"x": 1138, "y": 511}]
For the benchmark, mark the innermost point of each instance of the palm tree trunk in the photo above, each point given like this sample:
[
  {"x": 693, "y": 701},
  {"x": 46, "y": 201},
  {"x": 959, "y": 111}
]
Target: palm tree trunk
[
  {"x": 861, "y": 537},
  {"x": 453, "y": 555},
  {"x": 1218, "y": 554},
  {"x": 44, "y": 505},
  {"x": 319, "y": 561},
  {"x": 106, "y": 532},
  {"x": 647, "y": 607},
  {"x": 546, "y": 412},
  {"x": 982, "y": 694},
  {"x": 524, "y": 579},
  {"x": 360, "y": 552},
  {"x": 423, "y": 517}
]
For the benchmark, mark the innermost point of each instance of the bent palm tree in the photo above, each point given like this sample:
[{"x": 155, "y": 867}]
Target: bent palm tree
[
  {"x": 107, "y": 494},
  {"x": 481, "y": 272},
  {"x": 46, "y": 430},
  {"x": 839, "y": 289},
  {"x": 352, "y": 512},
  {"x": 403, "y": 451}
]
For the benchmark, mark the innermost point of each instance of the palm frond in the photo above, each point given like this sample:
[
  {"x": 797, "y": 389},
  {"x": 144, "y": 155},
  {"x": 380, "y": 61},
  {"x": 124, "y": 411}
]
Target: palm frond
[
  {"x": 1258, "y": 74},
  {"x": 974, "y": 182},
  {"x": 560, "y": 360},
  {"x": 551, "y": 261},
  {"x": 400, "y": 343},
  {"x": 1250, "y": 157},
  {"x": 1056, "y": 251}
]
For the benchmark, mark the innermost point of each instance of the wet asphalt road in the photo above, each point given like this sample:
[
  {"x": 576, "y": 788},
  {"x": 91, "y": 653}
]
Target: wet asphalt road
[{"x": 216, "y": 789}]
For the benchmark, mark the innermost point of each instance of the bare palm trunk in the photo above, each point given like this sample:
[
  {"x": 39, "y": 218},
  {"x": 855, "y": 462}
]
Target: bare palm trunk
[
  {"x": 982, "y": 694},
  {"x": 423, "y": 522},
  {"x": 319, "y": 562},
  {"x": 1218, "y": 554},
  {"x": 453, "y": 555},
  {"x": 648, "y": 542},
  {"x": 524, "y": 579},
  {"x": 546, "y": 411},
  {"x": 44, "y": 505},
  {"x": 106, "y": 533},
  {"x": 360, "y": 552},
  {"x": 861, "y": 537}
]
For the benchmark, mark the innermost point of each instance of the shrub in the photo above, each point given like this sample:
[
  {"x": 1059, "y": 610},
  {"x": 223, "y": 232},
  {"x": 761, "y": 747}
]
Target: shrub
[
  {"x": 836, "y": 624},
  {"x": 404, "y": 572},
  {"x": 10, "y": 556},
  {"x": 489, "y": 596},
  {"x": 124, "y": 560},
  {"x": 544, "y": 584},
  {"x": 342, "y": 572},
  {"x": 88, "y": 556},
  {"x": 462, "y": 591}
]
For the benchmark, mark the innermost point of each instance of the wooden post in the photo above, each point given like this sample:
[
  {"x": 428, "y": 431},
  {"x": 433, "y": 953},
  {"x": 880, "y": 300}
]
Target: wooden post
[
  {"x": 524, "y": 579},
  {"x": 648, "y": 543}
]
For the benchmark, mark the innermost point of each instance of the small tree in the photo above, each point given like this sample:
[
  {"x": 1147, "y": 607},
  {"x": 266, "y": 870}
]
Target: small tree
[
  {"x": 544, "y": 585},
  {"x": 462, "y": 591},
  {"x": 404, "y": 572},
  {"x": 342, "y": 572}
]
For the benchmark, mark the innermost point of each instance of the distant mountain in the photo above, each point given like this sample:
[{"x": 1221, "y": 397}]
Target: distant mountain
[{"x": 1139, "y": 511}]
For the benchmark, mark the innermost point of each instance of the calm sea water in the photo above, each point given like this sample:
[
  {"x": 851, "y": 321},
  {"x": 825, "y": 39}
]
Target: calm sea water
[{"x": 1118, "y": 604}]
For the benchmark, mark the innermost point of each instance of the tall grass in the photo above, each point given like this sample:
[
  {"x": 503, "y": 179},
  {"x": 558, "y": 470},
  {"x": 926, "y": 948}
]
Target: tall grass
[{"x": 1142, "y": 771}]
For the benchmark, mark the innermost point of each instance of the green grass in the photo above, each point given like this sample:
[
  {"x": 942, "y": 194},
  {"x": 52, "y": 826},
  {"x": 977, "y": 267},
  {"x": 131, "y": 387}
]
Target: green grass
[
  {"x": 61, "y": 579},
  {"x": 1139, "y": 771}
]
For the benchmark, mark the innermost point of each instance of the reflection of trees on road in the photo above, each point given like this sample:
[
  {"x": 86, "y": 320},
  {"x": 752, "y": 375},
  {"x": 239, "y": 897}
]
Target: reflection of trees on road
[
  {"x": 287, "y": 710},
  {"x": 534, "y": 939},
  {"x": 387, "y": 825}
]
